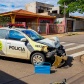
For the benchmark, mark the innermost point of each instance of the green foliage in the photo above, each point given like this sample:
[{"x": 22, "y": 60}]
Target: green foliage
[
  {"x": 4, "y": 20},
  {"x": 73, "y": 5}
]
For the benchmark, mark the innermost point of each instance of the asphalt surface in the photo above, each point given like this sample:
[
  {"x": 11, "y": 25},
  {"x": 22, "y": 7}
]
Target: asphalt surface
[
  {"x": 16, "y": 71},
  {"x": 75, "y": 39}
]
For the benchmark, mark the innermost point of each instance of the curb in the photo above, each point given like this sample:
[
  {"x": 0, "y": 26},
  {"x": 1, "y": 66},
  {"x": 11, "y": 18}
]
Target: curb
[{"x": 64, "y": 34}]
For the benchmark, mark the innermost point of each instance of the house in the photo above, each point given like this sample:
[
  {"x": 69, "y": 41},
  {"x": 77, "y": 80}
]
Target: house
[
  {"x": 45, "y": 9},
  {"x": 71, "y": 23},
  {"x": 29, "y": 19},
  {"x": 78, "y": 23}
]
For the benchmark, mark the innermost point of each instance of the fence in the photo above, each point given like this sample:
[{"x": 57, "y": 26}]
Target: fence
[
  {"x": 52, "y": 28},
  {"x": 45, "y": 28}
]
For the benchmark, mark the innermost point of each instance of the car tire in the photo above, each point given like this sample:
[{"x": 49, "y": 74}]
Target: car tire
[{"x": 37, "y": 58}]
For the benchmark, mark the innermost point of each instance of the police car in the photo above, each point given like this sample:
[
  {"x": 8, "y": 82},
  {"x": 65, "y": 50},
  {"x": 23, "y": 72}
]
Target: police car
[{"x": 28, "y": 44}]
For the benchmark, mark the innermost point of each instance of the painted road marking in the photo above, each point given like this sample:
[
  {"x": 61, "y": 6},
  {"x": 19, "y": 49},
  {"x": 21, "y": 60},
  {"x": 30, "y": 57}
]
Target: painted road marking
[
  {"x": 65, "y": 44},
  {"x": 69, "y": 44},
  {"x": 73, "y": 48},
  {"x": 62, "y": 42},
  {"x": 77, "y": 54}
]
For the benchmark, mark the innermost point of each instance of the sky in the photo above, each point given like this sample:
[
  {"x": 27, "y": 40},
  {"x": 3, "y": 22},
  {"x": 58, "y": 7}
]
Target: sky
[{"x": 9, "y": 5}]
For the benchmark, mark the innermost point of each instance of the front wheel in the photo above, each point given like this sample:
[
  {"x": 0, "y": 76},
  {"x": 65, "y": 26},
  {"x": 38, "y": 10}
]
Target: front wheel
[{"x": 37, "y": 58}]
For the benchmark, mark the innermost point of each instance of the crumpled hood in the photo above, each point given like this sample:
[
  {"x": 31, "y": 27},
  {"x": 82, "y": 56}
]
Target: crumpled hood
[{"x": 53, "y": 42}]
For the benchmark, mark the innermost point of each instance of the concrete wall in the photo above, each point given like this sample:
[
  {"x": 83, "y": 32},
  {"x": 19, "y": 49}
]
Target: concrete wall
[
  {"x": 59, "y": 20},
  {"x": 44, "y": 4},
  {"x": 31, "y": 7},
  {"x": 35, "y": 6},
  {"x": 74, "y": 24},
  {"x": 46, "y": 13},
  {"x": 79, "y": 25},
  {"x": 56, "y": 8}
]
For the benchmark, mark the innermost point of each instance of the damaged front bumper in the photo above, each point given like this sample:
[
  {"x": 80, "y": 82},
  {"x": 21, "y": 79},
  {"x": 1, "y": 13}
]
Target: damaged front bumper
[
  {"x": 60, "y": 51},
  {"x": 51, "y": 54},
  {"x": 60, "y": 56}
]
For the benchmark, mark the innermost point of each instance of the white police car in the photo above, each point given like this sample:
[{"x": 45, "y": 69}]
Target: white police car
[{"x": 28, "y": 44}]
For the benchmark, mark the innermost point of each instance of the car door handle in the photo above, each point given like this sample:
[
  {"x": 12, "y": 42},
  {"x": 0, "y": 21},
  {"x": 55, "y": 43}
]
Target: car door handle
[{"x": 8, "y": 43}]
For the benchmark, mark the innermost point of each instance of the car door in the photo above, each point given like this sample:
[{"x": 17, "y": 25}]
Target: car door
[
  {"x": 3, "y": 33},
  {"x": 16, "y": 48}
]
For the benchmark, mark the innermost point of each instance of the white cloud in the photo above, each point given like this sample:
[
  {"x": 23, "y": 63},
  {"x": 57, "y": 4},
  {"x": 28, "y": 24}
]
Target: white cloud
[
  {"x": 8, "y": 5},
  {"x": 19, "y": 4},
  {"x": 76, "y": 14}
]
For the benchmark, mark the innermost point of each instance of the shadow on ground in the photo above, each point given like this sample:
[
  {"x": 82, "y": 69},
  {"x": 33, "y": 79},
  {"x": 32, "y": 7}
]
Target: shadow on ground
[
  {"x": 53, "y": 71},
  {"x": 15, "y": 59},
  {"x": 8, "y": 79},
  {"x": 69, "y": 61}
]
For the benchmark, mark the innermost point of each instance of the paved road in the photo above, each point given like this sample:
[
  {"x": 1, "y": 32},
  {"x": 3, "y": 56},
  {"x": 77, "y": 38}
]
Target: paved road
[
  {"x": 75, "y": 39},
  {"x": 15, "y": 71},
  {"x": 73, "y": 49},
  {"x": 74, "y": 45}
]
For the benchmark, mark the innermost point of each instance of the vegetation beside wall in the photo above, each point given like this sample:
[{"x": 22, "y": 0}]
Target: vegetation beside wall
[{"x": 4, "y": 20}]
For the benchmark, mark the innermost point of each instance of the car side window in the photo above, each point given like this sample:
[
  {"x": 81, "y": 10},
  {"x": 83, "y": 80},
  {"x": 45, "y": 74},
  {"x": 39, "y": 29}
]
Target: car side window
[
  {"x": 3, "y": 33},
  {"x": 15, "y": 35}
]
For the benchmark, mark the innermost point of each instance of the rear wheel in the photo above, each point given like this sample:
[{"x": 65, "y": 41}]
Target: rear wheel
[{"x": 37, "y": 58}]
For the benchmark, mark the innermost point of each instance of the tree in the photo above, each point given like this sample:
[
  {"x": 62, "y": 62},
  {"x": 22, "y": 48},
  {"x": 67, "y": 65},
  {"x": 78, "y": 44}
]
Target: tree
[
  {"x": 73, "y": 5},
  {"x": 4, "y": 20}
]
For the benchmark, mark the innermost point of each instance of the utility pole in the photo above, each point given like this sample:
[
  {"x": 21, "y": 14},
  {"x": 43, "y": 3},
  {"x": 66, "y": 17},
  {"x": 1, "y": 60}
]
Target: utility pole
[
  {"x": 66, "y": 29},
  {"x": 64, "y": 11}
]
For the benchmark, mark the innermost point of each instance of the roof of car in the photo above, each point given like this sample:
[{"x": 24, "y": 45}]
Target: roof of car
[
  {"x": 4, "y": 28},
  {"x": 19, "y": 29}
]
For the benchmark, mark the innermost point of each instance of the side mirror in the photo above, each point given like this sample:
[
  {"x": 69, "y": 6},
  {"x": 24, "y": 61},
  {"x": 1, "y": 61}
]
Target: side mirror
[{"x": 24, "y": 40}]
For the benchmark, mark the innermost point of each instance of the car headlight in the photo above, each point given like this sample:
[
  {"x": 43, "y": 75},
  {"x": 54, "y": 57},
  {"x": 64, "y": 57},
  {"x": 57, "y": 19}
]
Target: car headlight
[{"x": 57, "y": 42}]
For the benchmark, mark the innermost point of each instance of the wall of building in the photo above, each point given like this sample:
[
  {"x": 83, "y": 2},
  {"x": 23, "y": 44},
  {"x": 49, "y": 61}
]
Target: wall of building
[
  {"x": 42, "y": 24},
  {"x": 46, "y": 13},
  {"x": 44, "y": 4},
  {"x": 55, "y": 8},
  {"x": 79, "y": 25},
  {"x": 31, "y": 7},
  {"x": 45, "y": 20},
  {"x": 62, "y": 21},
  {"x": 74, "y": 24}
]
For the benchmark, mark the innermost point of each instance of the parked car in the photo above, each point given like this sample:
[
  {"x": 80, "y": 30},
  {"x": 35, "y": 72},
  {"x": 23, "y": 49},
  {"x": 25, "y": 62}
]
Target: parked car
[{"x": 28, "y": 44}]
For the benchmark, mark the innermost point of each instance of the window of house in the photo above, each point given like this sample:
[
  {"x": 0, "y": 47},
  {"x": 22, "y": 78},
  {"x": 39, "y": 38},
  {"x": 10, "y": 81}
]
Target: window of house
[
  {"x": 54, "y": 11},
  {"x": 40, "y": 11}
]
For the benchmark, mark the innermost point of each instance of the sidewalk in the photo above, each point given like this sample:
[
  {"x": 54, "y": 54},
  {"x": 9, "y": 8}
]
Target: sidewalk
[{"x": 64, "y": 34}]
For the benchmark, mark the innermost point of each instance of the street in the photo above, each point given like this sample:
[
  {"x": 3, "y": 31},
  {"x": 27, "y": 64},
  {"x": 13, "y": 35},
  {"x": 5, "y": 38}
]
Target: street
[
  {"x": 16, "y": 71},
  {"x": 74, "y": 45}
]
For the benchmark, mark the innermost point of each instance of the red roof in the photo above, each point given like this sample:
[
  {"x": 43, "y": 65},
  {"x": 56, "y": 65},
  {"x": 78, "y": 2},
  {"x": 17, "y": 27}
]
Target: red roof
[
  {"x": 21, "y": 11},
  {"x": 24, "y": 12}
]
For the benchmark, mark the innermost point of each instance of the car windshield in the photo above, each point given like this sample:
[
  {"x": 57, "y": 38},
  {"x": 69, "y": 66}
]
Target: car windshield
[{"x": 33, "y": 35}]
